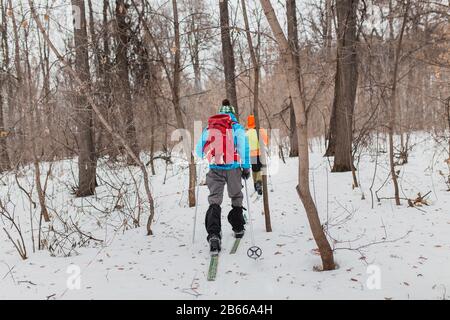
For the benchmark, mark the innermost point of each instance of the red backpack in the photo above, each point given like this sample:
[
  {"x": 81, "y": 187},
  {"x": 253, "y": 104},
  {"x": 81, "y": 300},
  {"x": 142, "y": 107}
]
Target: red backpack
[{"x": 219, "y": 147}]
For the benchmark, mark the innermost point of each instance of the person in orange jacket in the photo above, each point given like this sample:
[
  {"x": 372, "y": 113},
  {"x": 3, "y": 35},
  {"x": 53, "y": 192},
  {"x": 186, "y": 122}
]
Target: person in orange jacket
[{"x": 255, "y": 151}]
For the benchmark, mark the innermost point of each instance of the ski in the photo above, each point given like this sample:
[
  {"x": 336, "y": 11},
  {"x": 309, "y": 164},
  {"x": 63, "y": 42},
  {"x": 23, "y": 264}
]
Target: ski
[
  {"x": 212, "y": 271},
  {"x": 235, "y": 245},
  {"x": 256, "y": 198}
]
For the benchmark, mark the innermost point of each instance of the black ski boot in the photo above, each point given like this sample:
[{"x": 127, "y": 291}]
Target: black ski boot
[
  {"x": 236, "y": 219},
  {"x": 214, "y": 245},
  {"x": 258, "y": 188},
  {"x": 239, "y": 234}
]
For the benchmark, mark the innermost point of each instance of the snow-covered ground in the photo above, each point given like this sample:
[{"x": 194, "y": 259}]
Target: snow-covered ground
[{"x": 387, "y": 252}]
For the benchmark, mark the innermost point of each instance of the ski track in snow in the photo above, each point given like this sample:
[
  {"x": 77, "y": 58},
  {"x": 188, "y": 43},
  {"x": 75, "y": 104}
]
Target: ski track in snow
[{"x": 168, "y": 266}]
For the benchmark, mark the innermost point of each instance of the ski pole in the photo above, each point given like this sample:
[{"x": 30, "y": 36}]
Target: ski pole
[
  {"x": 268, "y": 170},
  {"x": 254, "y": 251},
  {"x": 196, "y": 204},
  {"x": 249, "y": 214}
]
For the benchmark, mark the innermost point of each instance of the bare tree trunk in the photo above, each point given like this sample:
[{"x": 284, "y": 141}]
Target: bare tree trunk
[
  {"x": 328, "y": 28},
  {"x": 37, "y": 177},
  {"x": 447, "y": 104},
  {"x": 293, "y": 135},
  {"x": 256, "y": 69},
  {"x": 16, "y": 43},
  {"x": 150, "y": 78},
  {"x": 393, "y": 105},
  {"x": 105, "y": 138},
  {"x": 152, "y": 146},
  {"x": 177, "y": 106},
  {"x": 197, "y": 72},
  {"x": 94, "y": 37},
  {"x": 4, "y": 157},
  {"x": 228, "y": 56},
  {"x": 6, "y": 64},
  {"x": 447, "y": 101},
  {"x": 126, "y": 102},
  {"x": 192, "y": 181},
  {"x": 19, "y": 92},
  {"x": 291, "y": 13},
  {"x": 87, "y": 161},
  {"x": 303, "y": 189},
  {"x": 48, "y": 105},
  {"x": 341, "y": 122},
  {"x": 331, "y": 135}
]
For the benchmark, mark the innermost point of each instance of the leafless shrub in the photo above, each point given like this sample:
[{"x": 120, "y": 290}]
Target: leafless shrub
[{"x": 14, "y": 225}]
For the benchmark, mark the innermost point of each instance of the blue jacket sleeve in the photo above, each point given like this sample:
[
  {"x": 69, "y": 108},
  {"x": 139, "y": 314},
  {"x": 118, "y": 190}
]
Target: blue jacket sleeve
[
  {"x": 242, "y": 146},
  {"x": 201, "y": 142}
]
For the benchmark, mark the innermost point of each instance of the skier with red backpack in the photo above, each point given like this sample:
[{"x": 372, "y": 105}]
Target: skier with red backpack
[{"x": 225, "y": 144}]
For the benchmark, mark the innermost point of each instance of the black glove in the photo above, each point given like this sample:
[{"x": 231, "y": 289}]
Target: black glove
[{"x": 245, "y": 174}]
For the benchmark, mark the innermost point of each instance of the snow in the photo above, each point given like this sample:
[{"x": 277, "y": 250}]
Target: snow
[{"x": 408, "y": 246}]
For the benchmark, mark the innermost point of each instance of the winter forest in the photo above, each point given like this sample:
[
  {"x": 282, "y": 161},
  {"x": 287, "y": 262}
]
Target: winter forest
[{"x": 104, "y": 195}]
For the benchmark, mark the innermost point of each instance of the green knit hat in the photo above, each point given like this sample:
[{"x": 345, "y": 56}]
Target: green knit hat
[{"x": 227, "y": 107}]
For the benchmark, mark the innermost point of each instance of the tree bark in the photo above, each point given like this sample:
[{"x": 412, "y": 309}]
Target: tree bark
[
  {"x": 331, "y": 135},
  {"x": 346, "y": 81},
  {"x": 291, "y": 13},
  {"x": 228, "y": 56},
  {"x": 7, "y": 60},
  {"x": 17, "y": 94},
  {"x": 328, "y": 28},
  {"x": 4, "y": 157},
  {"x": 303, "y": 189},
  {"x": 106, "y": 140},
  {"x": 16, "y": 44},
  {"x": 293, "y": 135},
  {"x": 126, "y": 103},
  {"x": 152, "y": 146},
  {"x": 447, "y": 103},
  {"x": 87, "y": 160}
]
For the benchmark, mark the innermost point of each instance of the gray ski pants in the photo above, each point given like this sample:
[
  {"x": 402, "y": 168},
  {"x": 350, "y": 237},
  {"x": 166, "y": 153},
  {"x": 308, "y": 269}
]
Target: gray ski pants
[{"x": 216, "y": 180}]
